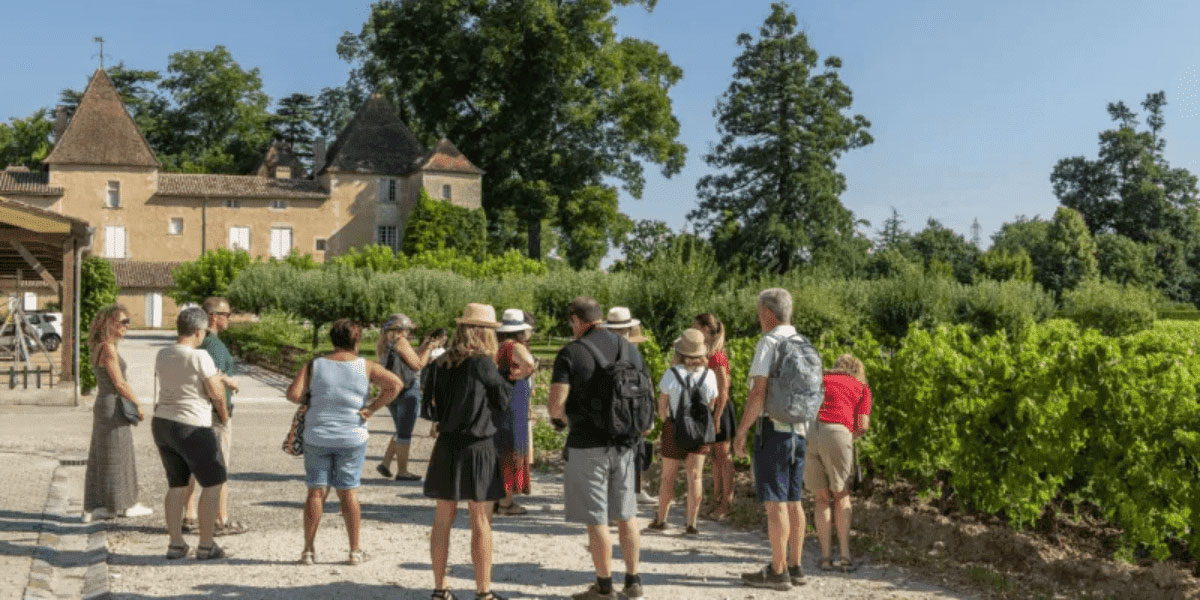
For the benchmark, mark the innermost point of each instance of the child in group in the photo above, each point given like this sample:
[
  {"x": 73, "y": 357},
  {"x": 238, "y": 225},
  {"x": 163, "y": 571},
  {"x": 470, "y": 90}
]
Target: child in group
[{"x": 689, "y": 371}]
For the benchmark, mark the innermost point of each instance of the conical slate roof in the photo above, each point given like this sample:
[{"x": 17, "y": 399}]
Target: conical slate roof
[
  {"x": 376, "y": 141},
  {"x": 101, "y": 132},
  {"x": 446, "y": 157}
]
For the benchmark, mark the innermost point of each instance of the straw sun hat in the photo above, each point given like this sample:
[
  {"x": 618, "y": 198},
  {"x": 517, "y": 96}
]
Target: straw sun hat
[
  {"x": 513, "y": 320},
  {"x": 482, "y": 315},
  {"x": 619, "y": 318},
  {"x": 691, "y": 344}
]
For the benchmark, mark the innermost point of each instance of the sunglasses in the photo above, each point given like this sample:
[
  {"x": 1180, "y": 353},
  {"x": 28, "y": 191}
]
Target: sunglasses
[
  {"x": 125, "y": 322},
  {"x": 220, "y": 314}
]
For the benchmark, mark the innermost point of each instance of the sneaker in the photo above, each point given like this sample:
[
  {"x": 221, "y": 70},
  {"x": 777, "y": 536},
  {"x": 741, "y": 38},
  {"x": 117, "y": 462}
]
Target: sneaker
[
  {"x": 138, "y": 510},
  {"x": 644, "y": 498},
  {"x": 657, "y": 525},
  {"x": 691, "y": 530},
  {"x": 766, "y": 578},
  {"x": 797, "y": 575},
  {"x": 102, "y": 514},
  {"x": 633, "y": 591},
  {"x": 593, "y": 593}
]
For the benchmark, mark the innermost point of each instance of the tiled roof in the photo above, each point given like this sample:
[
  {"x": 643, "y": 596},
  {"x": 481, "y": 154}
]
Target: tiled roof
[
  {"x": 101, "y": 131},
  {"x": 27, "y": 184},
  {"x": 375, "y": 142},
  {"x": 446, "y": 157},
  {"x": 237, "y": 186},
  {"x": 280, "y": 155},
  {"x": 142, "y": 274}
]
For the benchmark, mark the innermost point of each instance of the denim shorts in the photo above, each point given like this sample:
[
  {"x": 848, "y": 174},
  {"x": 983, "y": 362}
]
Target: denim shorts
[
  {"x": 778, "y": 464},
  {"x": 404, "y": 413},
  {"x": 337, "y": 467}
]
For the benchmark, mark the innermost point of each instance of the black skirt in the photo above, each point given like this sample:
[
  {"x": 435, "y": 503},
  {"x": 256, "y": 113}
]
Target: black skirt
[
  {"x": 727, "y": 424},
  {"x": 464, "y": 468}
]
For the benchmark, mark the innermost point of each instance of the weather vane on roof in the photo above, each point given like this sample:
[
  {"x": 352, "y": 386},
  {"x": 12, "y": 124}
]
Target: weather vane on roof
[{"x": 99, "y": 40}]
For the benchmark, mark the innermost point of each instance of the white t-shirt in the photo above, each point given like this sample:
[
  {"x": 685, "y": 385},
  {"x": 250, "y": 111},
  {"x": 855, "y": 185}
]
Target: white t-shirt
[
  {"x": 181, "y": 372},
  {"x": 669, "y": 385},
  {"x": 764, "y": 359}
]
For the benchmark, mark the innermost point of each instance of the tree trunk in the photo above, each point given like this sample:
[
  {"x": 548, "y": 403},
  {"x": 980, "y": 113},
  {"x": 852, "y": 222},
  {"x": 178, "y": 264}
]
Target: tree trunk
[
  {"x": 535, "y": 239},
  {"x": 316, "y": 339}
]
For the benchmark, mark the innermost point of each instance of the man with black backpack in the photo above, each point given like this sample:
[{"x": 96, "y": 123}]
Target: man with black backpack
[
  {"x": 601, "y": 388},
  {"x": 786, "y": 391}
]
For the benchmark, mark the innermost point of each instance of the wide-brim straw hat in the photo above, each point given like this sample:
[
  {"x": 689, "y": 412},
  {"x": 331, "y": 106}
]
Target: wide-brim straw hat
[
  {"x": 513, "y": 320},
  {"x": 620, "y": 318},
  {"x": 482, "y": 315},
  {"x": 691, "y": 344}
]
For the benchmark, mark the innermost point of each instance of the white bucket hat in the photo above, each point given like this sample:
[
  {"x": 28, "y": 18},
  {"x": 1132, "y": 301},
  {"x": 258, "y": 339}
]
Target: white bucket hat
[
  {"x": 513, "y": 320},
  {"x": 619, "y": 318}
]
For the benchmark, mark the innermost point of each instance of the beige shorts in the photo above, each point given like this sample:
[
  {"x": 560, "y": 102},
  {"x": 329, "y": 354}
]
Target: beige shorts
[
  {"x": 224, "y": 438},
  {"x": 830, "y": 458}
]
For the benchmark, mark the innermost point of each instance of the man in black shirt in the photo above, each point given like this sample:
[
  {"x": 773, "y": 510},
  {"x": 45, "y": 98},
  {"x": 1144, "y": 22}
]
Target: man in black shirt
[{"x": 598, "y": 483}]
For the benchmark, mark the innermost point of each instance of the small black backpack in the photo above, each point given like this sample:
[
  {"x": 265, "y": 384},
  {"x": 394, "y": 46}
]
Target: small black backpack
[
  {"x": 693, "y": 421},
  {"x": 620, "y": 398}
]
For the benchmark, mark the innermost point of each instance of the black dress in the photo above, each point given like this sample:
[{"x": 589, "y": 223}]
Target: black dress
[{"x": 464, "y": 400}]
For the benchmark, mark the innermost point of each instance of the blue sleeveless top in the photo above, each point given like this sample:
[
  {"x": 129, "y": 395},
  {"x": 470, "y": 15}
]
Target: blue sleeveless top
[{"x": 339, "y": 390}]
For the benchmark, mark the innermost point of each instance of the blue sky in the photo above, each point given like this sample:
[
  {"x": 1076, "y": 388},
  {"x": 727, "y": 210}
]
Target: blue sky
[{"x": 971, "y": 103}]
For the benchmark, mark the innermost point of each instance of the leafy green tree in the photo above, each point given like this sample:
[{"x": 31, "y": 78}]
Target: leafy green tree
[
  {"x": 1127, "y": 262},
  {"x": 938, "y": 243},
  {"x": 97, "y": 289},
  {"x": 892, "y": 234},
  {"x": 219, "y": 113},
  {"x": 294, "y": 122},
  {"x": 26, "y": 141},
  {"x": 646, "y": 239},
  {"x": 1005, "y": 265},
  {"x": 209, "y": 275},
  {"x": 541, "y": 94},
  {"x": 1070, "y": 253},
  {"x": 335, "y": 106},
  {"x": 436, "y": 224},
  {"x": 1024, "y": 234},
  {"x": 783, "y": 125}
]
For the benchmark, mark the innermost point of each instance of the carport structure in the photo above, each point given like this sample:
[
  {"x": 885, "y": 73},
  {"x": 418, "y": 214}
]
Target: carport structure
[{"x": 38, "y": 243}]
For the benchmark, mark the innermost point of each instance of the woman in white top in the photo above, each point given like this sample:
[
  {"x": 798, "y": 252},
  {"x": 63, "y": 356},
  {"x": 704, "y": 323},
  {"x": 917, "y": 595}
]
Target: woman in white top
[{"x": 690, "y": 371}]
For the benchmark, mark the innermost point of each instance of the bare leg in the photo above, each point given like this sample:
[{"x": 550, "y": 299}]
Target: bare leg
[
  {"x": 402, "y": 458},
  {"x": 389, "y": 454},
  {"x": 821, "y": 518},
  {"x": 439, "y": 540},
  {"x": 481, "y": 544},
  {"x": 314, "y": 506},
  {"x": 666, "y": 489},
  {"x": 173, "y": 510},
  {"x": 796, "y": 532},
  {"x": 600, "y": 545},
  {"x": 189, "y": 506},
  {"x": 631, "y": 544},
  {"x": 842, "y": 511},
  {"x": 352, "y": 514},
  {"x": 695, "y": 486},
  {"x": 210, "y": 500},
  {"x": 723, "y": 474},
  {"x": 777, "y": 532},
  {"x": 223, "y": 504}
]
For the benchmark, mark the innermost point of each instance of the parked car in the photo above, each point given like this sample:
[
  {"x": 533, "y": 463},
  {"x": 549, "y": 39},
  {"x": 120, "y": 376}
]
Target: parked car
[{"x": 48, "y": 326}]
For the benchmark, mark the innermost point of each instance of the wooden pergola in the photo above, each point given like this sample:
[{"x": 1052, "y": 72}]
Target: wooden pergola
[{"x": 38, "y": 243}]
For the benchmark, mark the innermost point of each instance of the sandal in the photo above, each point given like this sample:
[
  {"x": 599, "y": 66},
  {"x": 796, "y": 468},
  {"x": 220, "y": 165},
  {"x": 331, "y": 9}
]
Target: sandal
[
  {"x": 657, "y": 525},
  {"x": 190, "y": 525},
  {"x": 357, "y": 557},
  {"x": 383, "y": 470},
  {"x": 212, "y": 552},
  {"x": 307, "y": 557},
  {"x": 847, "y": 566},
  {"x": 230, "y": 527},
  {"x": 178, "y": 551},
  {"x": 487, "y": 596},
  {"x": 407, "y": 477},
  {"x": 510, "y": 510},
  {"x": 444, "y": 595},
  {"x": 826, "y": 564}
]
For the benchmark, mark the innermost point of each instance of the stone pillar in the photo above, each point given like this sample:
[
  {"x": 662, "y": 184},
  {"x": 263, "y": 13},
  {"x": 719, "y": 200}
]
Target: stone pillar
[{"x": 70, "y": 310}]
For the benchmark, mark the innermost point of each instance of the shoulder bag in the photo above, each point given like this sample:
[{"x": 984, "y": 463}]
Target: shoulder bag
[{"x": 293, "y": 443}]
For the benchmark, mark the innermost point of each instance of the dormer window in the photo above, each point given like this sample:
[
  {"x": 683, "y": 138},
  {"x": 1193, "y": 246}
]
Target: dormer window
[
  {"x": 112, "y": 198},
  {"x": 283, "y": 172},
  {"x": 278, "y": 204}
]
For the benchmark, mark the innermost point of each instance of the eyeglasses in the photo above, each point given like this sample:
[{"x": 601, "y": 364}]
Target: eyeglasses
[
  {"x": 220, "y": 314},
  {"x": 124, "y": 322}
]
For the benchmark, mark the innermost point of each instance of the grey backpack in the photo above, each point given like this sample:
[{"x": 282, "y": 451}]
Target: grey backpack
[{"x": 796, "y": 385}]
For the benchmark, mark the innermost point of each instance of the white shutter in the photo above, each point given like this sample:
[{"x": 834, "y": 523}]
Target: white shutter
[
  {"x": 114, "y": 241},
  {"x": 287, "y": 242},
  {"x": 383, "y": 190},
  {"x": 281, "y": 242},
  {"x": 239, "y": 237},
  {"x": 30, "y": 301}
]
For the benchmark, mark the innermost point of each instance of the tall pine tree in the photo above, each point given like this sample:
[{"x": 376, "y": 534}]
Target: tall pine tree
[{"x": 783, "y": 123}]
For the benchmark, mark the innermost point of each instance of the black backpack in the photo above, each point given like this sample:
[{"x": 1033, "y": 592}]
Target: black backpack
[
  {"x": 395, "y": 363},
  {"x": 621, "y": 398},
  {"x": 693, "y": 421}
]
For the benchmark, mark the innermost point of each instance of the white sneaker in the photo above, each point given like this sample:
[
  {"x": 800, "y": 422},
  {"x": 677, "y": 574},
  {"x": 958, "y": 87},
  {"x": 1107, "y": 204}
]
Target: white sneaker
[
  {"x": 101, "y": 514},
  {"x": 644, "y": 498},
  {"x": 139, "y": 510}
]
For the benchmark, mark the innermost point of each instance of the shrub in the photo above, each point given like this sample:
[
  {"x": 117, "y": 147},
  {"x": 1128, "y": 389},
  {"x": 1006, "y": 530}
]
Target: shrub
[
  {"x": 1113, "y": 309},
  {"x": 1011, "y": 306},
  {"x": 97, "y": 289},
  {"x": 438, "y": 225},
  {"x": 1002, "y": 265},
  {"x": 893, "y": 305},
  {"x": 264, "y": 287},
  {"x": 209, "y": 275},
  {"x": 556, "y": 292}
]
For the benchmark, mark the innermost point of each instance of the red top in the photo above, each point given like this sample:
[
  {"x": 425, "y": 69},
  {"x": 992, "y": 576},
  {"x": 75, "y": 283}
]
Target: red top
[
  {"x": 504, "y": 356},
  {"x": 719, "y": 360},
  {"x": 845, "y": 399}
]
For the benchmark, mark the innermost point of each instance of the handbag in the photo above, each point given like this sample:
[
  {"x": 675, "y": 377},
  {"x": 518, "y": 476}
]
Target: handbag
[
  {"x": 427, "y": 410},
  {"x": 128, "y": 410},
  {"x": 293, "y": 443}
]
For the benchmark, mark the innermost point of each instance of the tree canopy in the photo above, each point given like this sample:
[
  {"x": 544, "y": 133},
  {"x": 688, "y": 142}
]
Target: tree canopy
[
  {"x": 774, "y": 203},
  {"x": 541, "y": 94}
]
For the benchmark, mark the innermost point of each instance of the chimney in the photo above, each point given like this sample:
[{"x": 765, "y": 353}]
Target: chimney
[
  {"x": 318, "y": 154},
  {"x": 60, "y": 122}
]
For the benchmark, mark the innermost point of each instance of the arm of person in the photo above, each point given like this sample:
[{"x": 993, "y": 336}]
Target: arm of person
[
  {"x": 229, "y": 383},
  {"x": 556, "y": 405},
  {"x": 722, "y": 395},
  {"x": 523, "y": 364},
  {"x": 863, "y": 413},
  {"x": 295, "y": 391},
  {"x": 754, "y": 407},
  {"x": 663, "y": 400},
  {"x": 110, "y": 362},
  {"x": 389, "y": 387},
  {"x": 415, "y": 359},
  {"x": 214, "y": 386}
]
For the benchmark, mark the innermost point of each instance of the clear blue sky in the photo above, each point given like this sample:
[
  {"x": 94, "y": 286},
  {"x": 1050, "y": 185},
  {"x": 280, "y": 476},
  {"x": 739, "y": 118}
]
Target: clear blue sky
[{"x": 971, "y": 103}]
